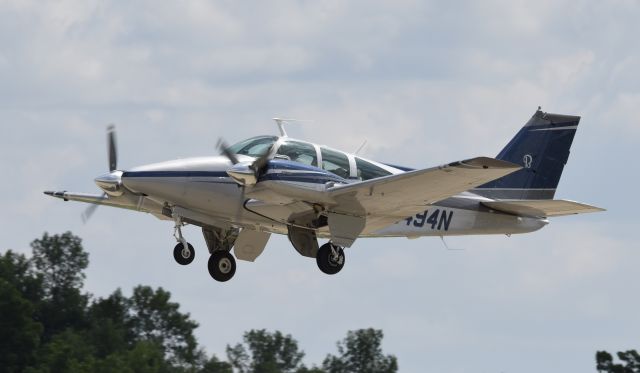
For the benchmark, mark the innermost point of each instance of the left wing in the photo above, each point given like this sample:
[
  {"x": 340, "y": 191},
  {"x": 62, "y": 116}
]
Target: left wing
[{"x": 126, "y": 201}]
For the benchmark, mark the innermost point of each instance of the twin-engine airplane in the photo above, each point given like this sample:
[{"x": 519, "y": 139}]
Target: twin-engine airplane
[{"x": 275, "y": 184}]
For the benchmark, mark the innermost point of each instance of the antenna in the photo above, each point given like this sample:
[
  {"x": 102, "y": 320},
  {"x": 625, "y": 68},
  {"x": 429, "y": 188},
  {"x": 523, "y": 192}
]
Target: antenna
[
  {"x": 281, "y": 122},
  {"x": 447, "y": 246},
  {"x": 364, "y": 143}
]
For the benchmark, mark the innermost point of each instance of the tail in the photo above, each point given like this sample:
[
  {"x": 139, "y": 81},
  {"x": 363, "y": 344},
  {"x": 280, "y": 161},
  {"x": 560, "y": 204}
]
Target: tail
[{"x": 542, "y": 148}]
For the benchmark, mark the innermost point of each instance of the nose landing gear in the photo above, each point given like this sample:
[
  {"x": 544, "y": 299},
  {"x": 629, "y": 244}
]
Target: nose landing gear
[
  {"x": 330, "y": 258},
  {"x": 183, "y": 252}
]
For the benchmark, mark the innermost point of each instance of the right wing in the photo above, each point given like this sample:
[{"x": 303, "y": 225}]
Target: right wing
[{"x": 403, "y": 194}]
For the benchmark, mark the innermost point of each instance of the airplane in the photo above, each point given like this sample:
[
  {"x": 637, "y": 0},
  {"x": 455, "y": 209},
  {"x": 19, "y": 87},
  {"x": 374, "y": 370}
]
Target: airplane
[{"x": 279, "y": 185}]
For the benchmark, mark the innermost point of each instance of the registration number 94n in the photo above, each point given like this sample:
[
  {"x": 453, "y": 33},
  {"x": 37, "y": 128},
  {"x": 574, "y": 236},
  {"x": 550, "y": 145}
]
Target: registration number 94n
[{"x": 438, "y": 219}]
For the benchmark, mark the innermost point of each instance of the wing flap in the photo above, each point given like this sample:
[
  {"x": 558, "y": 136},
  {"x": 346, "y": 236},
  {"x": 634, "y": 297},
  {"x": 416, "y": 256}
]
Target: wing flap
[
  {"x": 542, "y": 208},
  {"x": 402, "y": 194}
]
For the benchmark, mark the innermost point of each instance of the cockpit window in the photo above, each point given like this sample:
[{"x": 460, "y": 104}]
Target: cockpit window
[
  {"x": 299, "y": 152},
  {"x": 335, "y": 162},
  {"x": 253, "y": 147},
  {"x": 367, "y": 170}
]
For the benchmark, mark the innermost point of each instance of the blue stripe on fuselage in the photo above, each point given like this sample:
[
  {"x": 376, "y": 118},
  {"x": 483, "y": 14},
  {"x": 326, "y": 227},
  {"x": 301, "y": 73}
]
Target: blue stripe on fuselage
[{"x": 174, "y": 174}]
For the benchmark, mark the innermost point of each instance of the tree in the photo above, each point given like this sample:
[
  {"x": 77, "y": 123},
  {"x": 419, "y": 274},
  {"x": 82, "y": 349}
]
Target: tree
[
  {"x": 267, "y": 353},
  {"x": 60, "y": 261},
  {"x": 213, "y": 365},
  {"x": 631, "y": 360},
  {"x": 154, "y": 318},
  {"x": 19, "y": 333},
  {"x": 361, "y": 352}
]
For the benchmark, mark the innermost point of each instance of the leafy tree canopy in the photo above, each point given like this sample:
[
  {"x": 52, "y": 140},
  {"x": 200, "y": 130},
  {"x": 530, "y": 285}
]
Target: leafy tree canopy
[
  {"x": 630, "y": 362},
  {"x": 361, "y": 352},
  {"x": 49, "y": 324}
]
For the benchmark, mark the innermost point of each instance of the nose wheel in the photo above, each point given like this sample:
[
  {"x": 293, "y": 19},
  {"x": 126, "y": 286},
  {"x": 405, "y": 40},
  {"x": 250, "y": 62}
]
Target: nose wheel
[
  {"x": 330, "y": 258},
  {"x": 222, "y": 265},
  {"x": 184, "y": 254}
]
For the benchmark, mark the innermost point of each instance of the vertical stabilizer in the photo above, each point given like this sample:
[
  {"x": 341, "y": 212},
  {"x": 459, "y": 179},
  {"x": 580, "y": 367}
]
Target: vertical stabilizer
[{"x": 542, "y": 148}]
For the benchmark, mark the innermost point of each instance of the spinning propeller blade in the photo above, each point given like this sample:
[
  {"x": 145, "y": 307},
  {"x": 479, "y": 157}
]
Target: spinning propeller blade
[
  {"x": 224, "y": 149},
  {"x": 88, "y": 212},
  {"x": 113, "y": 165},
  {"x": 111, "y": 143}
]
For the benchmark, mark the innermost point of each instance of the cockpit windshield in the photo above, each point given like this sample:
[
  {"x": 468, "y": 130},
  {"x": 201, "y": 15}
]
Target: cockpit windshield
[{"x": 253, "y": 147}]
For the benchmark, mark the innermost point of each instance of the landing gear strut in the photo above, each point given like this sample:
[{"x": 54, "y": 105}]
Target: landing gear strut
[
  {"x": 330, "y": 258},
  {"x": 183, "y": 252}
]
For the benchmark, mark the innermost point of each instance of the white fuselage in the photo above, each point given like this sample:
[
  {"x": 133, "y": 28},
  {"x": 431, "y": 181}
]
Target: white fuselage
[{"x": 201, "y": 188}]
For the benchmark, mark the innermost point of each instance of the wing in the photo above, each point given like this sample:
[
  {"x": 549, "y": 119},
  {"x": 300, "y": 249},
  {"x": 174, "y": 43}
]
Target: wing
[
  {"x": 370, "y": 205},
  {"x": 128, "y": 202},
  {"x": 542, "y": 208},
  {"x": 373, "y": 204},
  {"x": 402, "y": 194}
]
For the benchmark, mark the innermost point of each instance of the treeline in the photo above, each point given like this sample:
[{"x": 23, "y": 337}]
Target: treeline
[
  {"x": 49, "y": 325},
  {"x": 629, "y": 362}
]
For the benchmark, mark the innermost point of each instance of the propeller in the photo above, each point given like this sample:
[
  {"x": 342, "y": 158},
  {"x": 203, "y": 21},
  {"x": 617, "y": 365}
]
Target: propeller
[
  {"x": 110, "y": 181},
  {"x": 245, "y": 173},
  {"x": 111, "y": 144},
  {"x": 226, "y": 151},
  {"x": 88, "y": 212}
]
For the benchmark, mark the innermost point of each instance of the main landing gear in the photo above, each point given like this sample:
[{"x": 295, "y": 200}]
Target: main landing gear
[
  {"x": 221, "y": 264},
  {"x": 330, "y": 258}
]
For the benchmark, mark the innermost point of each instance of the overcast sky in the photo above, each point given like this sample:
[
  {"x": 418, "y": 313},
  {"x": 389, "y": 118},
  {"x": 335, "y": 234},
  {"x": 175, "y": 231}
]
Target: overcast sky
[{"x": 425, "y": 82}]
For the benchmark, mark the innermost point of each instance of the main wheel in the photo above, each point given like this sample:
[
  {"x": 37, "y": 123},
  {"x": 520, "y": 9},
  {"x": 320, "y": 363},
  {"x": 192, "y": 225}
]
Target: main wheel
[
  {"x": 222, "y": 265},
  {"x": 330, "y": 258},
  {"x": 183, "y": 255}
]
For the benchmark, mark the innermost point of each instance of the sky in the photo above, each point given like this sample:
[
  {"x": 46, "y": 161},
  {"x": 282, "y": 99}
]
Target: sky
[{"x": 424, "y": 82}]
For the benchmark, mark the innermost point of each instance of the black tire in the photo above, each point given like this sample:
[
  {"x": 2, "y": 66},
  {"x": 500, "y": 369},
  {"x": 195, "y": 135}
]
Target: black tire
[
  {"x": 326, "y": 263},
  {"x": 184, "y": 257},
  {"x": 222, "y": 265}
]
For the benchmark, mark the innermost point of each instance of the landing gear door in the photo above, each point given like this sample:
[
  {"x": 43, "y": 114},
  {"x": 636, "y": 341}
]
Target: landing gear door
[
  {"x": 250, "y": 244},
  {"x": 345, "y": 229}
]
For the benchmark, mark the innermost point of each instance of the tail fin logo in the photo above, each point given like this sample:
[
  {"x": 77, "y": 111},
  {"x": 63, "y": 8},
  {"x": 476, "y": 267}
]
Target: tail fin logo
[{"x": 527, "y": 160}]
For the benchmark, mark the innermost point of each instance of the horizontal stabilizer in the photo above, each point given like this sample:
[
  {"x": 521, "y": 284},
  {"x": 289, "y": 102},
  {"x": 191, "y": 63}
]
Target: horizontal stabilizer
[{"x": 542, "y": 208}]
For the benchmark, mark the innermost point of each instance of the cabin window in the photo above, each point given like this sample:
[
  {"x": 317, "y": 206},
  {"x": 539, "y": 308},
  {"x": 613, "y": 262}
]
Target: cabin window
[
  {"x": 299, "y": 152},
  {"x": 335, "y": 162},
  {"x": 368, "y": 170},
  {"x": 254, "y": 147}
]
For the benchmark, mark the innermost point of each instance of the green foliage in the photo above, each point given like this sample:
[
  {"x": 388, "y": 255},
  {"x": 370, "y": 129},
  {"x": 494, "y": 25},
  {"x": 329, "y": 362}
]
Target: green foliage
[
  {"x": 49, "y": 325},
  {"x": 59, "y": 261},
  {"x": 361, "y": 352},
  {"x": 630, "y": 362},
  {"x": 19, "y": 333},
  {"x": 266, "y": 353},
  {"x": 154, "y": 318}
]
